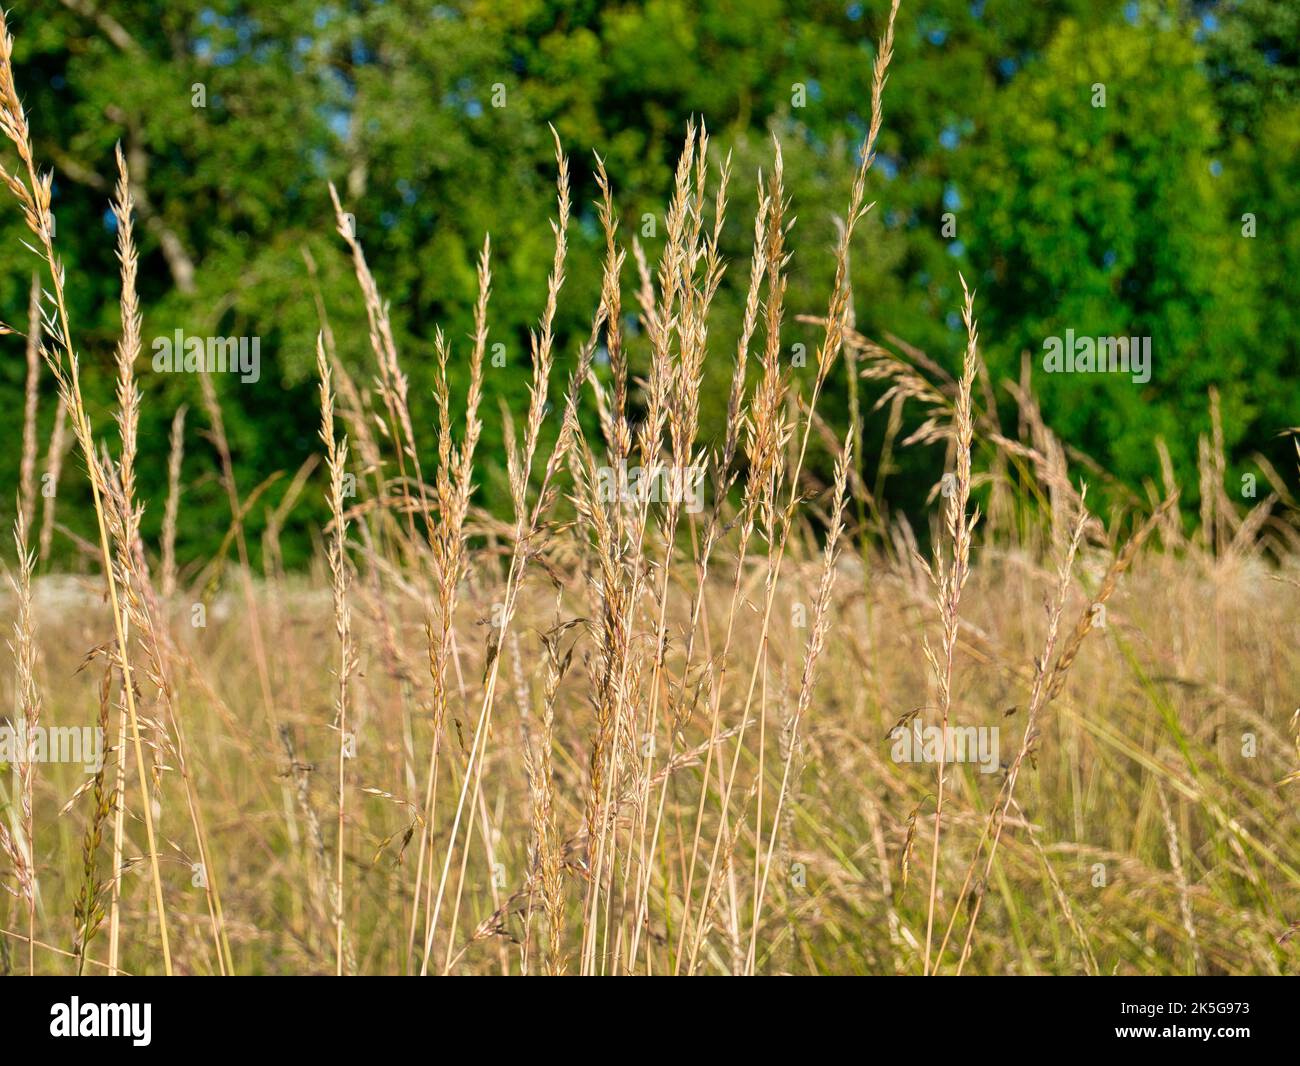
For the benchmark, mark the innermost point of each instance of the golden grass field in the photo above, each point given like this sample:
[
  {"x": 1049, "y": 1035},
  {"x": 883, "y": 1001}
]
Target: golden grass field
[{"x": 612, "y": 734}]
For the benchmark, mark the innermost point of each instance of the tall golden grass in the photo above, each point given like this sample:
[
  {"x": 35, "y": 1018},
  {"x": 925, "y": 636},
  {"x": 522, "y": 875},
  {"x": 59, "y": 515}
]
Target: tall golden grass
[{"x": 620, "y": 734}]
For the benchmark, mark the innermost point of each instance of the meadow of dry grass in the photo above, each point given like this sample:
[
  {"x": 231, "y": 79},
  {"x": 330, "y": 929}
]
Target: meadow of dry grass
[{"x": 614, "y": 734}]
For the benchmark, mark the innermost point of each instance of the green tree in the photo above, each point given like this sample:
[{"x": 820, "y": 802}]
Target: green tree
[
  {"x": 1115, "y": 220},
  {"x": 432, "y": 120}
]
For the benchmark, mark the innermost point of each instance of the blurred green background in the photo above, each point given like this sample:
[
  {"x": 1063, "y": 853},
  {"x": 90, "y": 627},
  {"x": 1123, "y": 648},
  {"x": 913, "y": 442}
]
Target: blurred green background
[{"x": 1122, "y": 220}]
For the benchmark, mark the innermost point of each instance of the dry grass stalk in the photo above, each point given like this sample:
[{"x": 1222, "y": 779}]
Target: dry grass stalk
[
  {"x": 771, "y": 474},
  {"x": 1184, "y": 889},
  {"x": 217, "y": 424},
  {"x": 393, "y": 384},
  {"x": 454, "y": 488},
  {"x": 1040, "y": 696},
  {"x": 336, "y": 460},
  {"x": 22, "y": 851},
  {"x": 27, "y": 465},
  {"x": 33, "y": 193},
  {"x": 950, "y": 580},
  {"x": 520, "y": 465},
  {"x": 175, "y": 455},
  {"x": 819, "y": 626},
  {"x": 88, "y": 910},
  {"x": 141, "y": 604},
  {"x": 53, "y": 466}
]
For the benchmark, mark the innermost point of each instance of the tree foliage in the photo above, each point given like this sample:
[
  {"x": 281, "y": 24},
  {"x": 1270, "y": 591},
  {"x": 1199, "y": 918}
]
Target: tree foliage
[{"x": 1116, "y": 220}]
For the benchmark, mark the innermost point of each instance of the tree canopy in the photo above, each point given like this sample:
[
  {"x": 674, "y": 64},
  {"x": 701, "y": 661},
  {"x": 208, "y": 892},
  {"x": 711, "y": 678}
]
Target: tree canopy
[{"x": 1166, "y": 207}]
